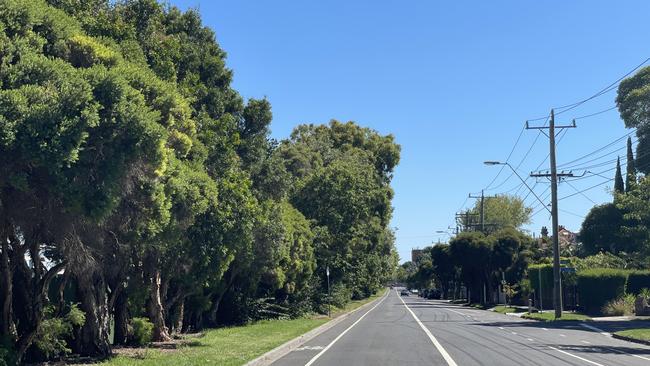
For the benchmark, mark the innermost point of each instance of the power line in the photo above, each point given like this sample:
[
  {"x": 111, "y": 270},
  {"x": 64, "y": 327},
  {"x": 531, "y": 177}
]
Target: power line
[{"x": 607, "y": 89}]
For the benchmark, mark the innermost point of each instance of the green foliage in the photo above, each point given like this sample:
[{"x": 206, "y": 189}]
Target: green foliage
[
  {"x": 623, "y": 305},
  {"x": 638, "y": 281},
  {"x": 141, "y": 331},
  {"x": 633, "y": 104},
  {"x": 600, "y": 260},
  {"x": 546, "y": 272},
  {"x": 619, "y": 186},
  {"x": 501, "y": 212},
  {"x": 52, "y": 332},
  {"x": 598, "y": 286},
  {"x": 7, "y": 352},
  {"x": 601, "y": 230}
]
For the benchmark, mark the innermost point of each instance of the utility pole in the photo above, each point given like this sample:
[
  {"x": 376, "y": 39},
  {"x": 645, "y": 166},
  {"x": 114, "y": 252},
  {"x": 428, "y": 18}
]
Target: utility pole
[
  {"x": 482, "y": 211},
  {"x": 557, "y": 279}
]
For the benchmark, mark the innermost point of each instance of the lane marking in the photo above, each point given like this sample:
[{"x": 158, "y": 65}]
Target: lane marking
[
  {"x": 530, "y": 339},
  {"x": 544, "y": 328},
  {"x": 630, "y": 354},
  {"x": 457, "y": 312},
  {"x": 443, "y": 352},
  {"x": 514, "y": 333},
  {"x": 562, "y": 335},
  {"x": 575, "y": 356},
  {"x": 586, "y": 342},
  {"x": 501, "y": 328},
  {"x": 591, "y": 327},
  {"x": 311, "y": 362}
]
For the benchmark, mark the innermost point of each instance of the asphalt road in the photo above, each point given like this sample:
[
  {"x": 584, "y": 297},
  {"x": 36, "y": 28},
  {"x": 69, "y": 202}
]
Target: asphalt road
[{"x": 414, "y": 331}]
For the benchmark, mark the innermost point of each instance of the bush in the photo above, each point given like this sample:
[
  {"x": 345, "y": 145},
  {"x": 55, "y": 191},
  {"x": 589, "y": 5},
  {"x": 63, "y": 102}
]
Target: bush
[
  {"x": 7, "y": 353},
  {"x": 141, "y": 331},
  {"x": 637, "y": 281},
  {"x": 598, "y": 286},
  {"x": 624, "y": 305},
  {"x": 53, "y": 331},
  {"x": 547, "y": 283}
]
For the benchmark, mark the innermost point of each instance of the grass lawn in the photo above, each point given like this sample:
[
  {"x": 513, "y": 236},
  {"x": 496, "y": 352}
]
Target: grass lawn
[
  {"x": 549, "y": 316},
  {"x": 507, "y": 309},
  {"x": 231, "y": 346},
  {"x": 642, "y": 334}
]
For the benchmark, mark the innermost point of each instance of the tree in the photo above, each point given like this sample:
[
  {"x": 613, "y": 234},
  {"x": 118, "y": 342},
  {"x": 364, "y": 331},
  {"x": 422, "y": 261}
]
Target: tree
[
  {"x": 468, "y": 249},
  {"x": 444, "y": 269},
  {"x": 619, "y": 188},
  {"x": 630, "y": 176},
  {"x": 500, "y": 212},
  {"x": 633, "y": 101},
  {"x": 601, "y": 230}
]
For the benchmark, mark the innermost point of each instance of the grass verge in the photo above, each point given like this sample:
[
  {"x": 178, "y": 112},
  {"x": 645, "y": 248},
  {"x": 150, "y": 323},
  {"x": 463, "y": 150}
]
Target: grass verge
[
  {"x": 549, "y": 316},
  {"x": 234, "y": 345},
  {"x": 641, "y": 334}
]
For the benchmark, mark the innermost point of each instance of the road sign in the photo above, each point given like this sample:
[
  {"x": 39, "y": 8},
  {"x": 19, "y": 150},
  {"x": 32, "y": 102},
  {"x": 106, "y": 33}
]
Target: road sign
[{"x": 568, "y": 269}]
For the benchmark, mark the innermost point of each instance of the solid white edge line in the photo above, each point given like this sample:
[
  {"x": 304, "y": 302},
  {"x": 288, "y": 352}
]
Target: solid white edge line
[
  {"x": 578, "y": 357},
  {"x": 311, "y": 362},
  {"x": 443, "y": 352},
  {"x": 591, "y": 327}
]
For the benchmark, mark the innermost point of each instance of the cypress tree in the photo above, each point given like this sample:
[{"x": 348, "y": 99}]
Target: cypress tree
[
  {"x": 630, "y": 178},
  {"x": 618, "y": 178}
]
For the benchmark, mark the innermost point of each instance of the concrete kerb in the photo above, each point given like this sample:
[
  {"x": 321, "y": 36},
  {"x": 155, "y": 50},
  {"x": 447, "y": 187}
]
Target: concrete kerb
[
  {"x": 624, "y": 338},
  {"x": 284, "y": 349}
]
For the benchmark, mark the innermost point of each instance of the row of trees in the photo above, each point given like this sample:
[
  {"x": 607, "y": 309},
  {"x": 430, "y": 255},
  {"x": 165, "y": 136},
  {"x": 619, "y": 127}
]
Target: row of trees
[
  {"x": 135, "y": 182},
  {"x": 621, "y": 227},
  {"x": 478, "y": 262}
]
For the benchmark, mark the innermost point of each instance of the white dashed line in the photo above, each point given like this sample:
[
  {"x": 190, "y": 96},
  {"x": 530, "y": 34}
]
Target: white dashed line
[
  {"x": 578, "y": 357},
  {"x": 544, "y": 328},
  {"x": 530, "y": 339},
  {"x": 586, "y": 342},
  {"x": 562, "y": 335},
  {"x": 514, "y": 333}
]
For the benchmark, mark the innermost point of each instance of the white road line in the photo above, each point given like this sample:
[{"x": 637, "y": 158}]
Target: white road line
[
  {"x": 443, "y": 352},
  {"x": 530, "y": 339},
  {"x": 514, "y": 333},
  {"x": 311, "y": 362},
  {"x": 562, "y": 335},
  {"x": 544, "y": 328},
  {"x": 591, "y": 327},
  {"x": 501, "y": 328},
  {"x": 457, "y": 312},
  {"x": 578, "y": 357},
  {"x": 586, "y": 342},
  {"x": 630, "y": 354}
]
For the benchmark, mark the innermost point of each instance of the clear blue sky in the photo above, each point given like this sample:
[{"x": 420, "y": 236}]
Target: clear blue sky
[{"x": 453, "y": 81}]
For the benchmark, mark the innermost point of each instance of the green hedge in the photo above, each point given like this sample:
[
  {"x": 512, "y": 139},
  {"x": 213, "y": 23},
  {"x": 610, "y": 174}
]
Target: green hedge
[
  {"x": 547, "y": 283},
  {"x": 638, "y": 280},
  {"x": 598, "y": 286}
]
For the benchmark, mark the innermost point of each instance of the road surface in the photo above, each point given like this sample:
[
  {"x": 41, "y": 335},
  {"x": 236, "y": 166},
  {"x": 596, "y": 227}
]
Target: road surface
[{"x": 413, "y": 331}]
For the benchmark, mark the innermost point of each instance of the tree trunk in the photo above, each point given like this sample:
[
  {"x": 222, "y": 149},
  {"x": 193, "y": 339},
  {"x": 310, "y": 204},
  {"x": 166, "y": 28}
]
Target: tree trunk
[
  {"x": 155, "y": 307},
  {"x": 93, "y": 337},
  {"x": 6, "y": 290},
  {"x": 121, "y": 319}
]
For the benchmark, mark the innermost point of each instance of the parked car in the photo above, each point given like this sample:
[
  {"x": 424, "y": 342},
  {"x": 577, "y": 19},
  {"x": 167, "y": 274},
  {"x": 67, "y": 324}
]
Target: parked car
[
  {"x": 432, "y": 293},
  {"x": 404, "y": 293}
]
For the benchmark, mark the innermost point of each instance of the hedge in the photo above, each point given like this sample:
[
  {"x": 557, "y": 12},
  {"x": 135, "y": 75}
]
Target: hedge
[
  {"x": 547, "y": 283},
  {"x": 597, "y": 286},
  {"x": 638, "y": 280}
]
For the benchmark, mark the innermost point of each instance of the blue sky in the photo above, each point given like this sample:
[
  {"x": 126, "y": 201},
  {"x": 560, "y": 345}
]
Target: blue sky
[{"x": 453, "y": 81}]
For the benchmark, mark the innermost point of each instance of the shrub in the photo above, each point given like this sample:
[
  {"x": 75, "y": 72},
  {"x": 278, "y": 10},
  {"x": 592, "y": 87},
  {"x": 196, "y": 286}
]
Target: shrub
[
  {"x": 141, "y": 331},
  {"x": 547, "y": 283},
  {"x": 624, "y": 305},
  {"x": 53, "y": 331},
  {"x": 638, "y": 280},
  {"x": 598, "y": 286},
  {"x": 7, "y": 353}
]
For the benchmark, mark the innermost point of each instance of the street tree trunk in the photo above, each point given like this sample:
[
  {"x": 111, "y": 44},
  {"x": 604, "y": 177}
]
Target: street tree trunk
[
  {"x": 154, "y": 304},
  {"x": 6, "y": 288},
  {"x": 93, "y": 336},
  {"x": 121, "y": 318}
]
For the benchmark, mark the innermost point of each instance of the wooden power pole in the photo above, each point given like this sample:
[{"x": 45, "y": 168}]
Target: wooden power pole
[{"x": 557, "y": 275}]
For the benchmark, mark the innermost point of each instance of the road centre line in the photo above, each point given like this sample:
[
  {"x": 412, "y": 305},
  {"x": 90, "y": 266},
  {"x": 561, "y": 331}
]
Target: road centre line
[
  {"x": 311, "y": 362},
  {"x": 575, "y": 356},
  {"x": 443, "y": 352}
]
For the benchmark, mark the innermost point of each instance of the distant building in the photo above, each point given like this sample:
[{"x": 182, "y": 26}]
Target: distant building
[
  {"x": 416, "y": 254},
  {"x": 567, "y": 239}
]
